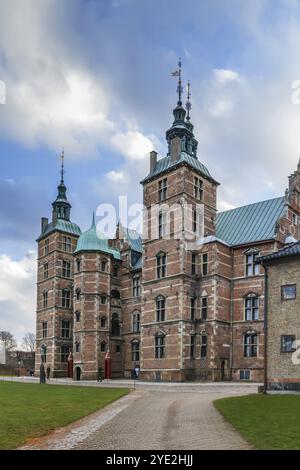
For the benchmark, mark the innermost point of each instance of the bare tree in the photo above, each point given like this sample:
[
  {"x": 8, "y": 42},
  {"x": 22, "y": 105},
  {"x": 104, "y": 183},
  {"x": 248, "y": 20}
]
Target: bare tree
[
  {"x": 7, "y": 340},
  {"x": 29, "y": 342}
]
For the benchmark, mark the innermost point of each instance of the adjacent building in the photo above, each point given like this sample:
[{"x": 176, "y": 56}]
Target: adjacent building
[{"x": 282, "y": 318}]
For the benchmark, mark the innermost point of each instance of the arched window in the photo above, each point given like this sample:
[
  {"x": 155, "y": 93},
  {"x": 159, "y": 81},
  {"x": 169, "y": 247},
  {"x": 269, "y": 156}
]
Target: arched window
[
  {"x": 161, "y": 265},
  {"x": 104, "y": 265},
  {"x": 115, "y": 325},
  {"x": 136, "y": 322},
  {"x": 103, "y": 299},
  {"x": 159, "y": 346},
  {"x": 115, "y": 294},
  {"x": 115, "y": 270},
  {"x": 78, "y": 292},
  {"x": 251, "y": 305},
  {"x": 103, "y": 346},
  {"x": 136, "y": 286},
  {"x": 77, "y": 346},
  {"x": 45, "y": 299},
  {"x": 160, "y": 308},
  {"x": 78, "y": 264},
  {"x": 103, "y": 322},
  {"x": 65, "y": 298},
  {"x": 135, "y": 350},
  {"x": 77, "y": 315},
  {"x": 66, "y": 268},
  {"x": 250, "y": 344}
]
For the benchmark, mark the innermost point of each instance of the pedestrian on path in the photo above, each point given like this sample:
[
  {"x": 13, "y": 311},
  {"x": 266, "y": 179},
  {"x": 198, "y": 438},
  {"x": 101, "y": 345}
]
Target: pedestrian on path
[
  {"x": 48, "y": 372},
  {"x": 100, "y": 375}
]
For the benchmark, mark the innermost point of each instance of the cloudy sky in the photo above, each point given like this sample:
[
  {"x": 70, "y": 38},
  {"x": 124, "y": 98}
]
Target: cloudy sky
[{"x": 94, "y": 76}]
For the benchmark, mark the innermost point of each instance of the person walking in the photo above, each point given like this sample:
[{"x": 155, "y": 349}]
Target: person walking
[
  {"x": 100, "y": 375},
  {"x": 137, "y": 371},
  {"x": 48, "y": 372}
]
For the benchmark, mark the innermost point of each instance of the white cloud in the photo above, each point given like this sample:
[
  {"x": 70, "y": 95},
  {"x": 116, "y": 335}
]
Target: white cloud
[
  {"x": 134, "y": 145},
  {"x": 223, "y": 76},
  {"x": 116, "y": 176},
  {"x": 17, "y": 294}
]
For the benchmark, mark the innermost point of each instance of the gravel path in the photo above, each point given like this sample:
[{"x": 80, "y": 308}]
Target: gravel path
[{"x": 155, "y": 417}]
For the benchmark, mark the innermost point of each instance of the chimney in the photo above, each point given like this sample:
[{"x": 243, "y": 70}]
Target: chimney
[
  {"x": 44, "y": 223},
  {"x": 175, "y": 148},
  {"x": 153, "y": 160}
]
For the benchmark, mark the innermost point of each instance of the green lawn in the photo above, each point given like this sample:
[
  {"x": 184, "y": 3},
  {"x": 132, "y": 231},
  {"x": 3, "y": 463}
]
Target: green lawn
[
  {"x": 31, "y": 410},
  {"x": 265, "y": 421}
]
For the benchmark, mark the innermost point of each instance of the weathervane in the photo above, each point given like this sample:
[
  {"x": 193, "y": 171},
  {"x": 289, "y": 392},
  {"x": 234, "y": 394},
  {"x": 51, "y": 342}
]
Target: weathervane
[
  {"x": 62, "y": 165},
  {"x": 177, "y": 73},
  {"x": 188, "y": 104}
]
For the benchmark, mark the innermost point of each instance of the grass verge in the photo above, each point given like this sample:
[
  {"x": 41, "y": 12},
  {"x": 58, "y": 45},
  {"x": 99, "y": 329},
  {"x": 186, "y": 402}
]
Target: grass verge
[{"x": 31, "y": 410}]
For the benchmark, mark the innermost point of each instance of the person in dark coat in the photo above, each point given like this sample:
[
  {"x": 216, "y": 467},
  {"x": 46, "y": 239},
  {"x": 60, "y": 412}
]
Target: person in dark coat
[
  {"x": 48, "y": 372},
  {"x": 100, "y": 375},
  {"x": 42, "y": 374}
]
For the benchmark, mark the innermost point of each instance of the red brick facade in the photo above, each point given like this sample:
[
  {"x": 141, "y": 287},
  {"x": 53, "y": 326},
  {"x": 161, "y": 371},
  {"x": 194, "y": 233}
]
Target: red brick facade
[{"x": 191, "y": 323}]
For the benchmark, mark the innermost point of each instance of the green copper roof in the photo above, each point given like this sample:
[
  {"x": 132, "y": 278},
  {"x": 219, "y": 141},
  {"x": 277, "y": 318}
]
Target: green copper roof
[
  {"x": 61, "y": 225},
  {"x": 91, "y": 240},
  {"x": 166, "y": 163},
  {"x": 252, "y": 223}
]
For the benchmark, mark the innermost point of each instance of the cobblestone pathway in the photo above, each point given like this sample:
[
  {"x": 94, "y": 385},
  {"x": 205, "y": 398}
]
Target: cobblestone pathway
[{"x": 156, "y": 417}]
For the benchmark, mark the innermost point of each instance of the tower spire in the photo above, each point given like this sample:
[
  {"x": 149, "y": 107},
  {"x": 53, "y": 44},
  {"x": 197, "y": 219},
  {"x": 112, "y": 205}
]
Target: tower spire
[
  {"x": 177, "y": 73},
  {"x": 62, "y": 170}
]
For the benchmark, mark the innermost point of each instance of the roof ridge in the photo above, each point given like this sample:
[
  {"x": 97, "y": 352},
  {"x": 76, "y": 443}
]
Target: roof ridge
[{"x": 250, "y": 204}]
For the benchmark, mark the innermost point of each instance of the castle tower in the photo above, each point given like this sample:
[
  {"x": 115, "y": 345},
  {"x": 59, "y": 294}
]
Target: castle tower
[
  {"x": 54, "y": 319},
  {"x": 180, "y": 201},
  {"x": 97, "y": 306}
]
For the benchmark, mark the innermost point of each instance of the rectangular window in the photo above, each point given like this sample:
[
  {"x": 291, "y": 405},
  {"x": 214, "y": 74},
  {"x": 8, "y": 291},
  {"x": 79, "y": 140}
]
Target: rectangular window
[
  {"x": 45, "y": 299},
  {"x": 252, "y": 265},
  {"x": 65, "y": 329},
  {"x": 198, "y": 188},
  {"x": 66, "y": 269},
  {"x": 161, "y": 265},
  {"x": 67, "y": 244},
  {"x": 205, "y": 264},
  {"x": 136, "y": 286},
  {"x": 251, "y": 308},
  {"x": 287, "y": 343},
  {"x": 195, "y": 221},
  {"x": 294, "y": 219},
  {"x": 245, "y": 374},
  {"x": 46, "y": 270},
  {"x": 194, "y": 264},
  {"x": 45, "y": 329},
  {"x": 135, "y": 351},
  {"x": 193, "y": 308},
  {"x": 193, "y": 346},
  {"x": 160, "y": 309},
  {"x": 136, "y": 322},
  {"x": 66, "y": 298},
  {"x": 288, "y": 292},
  {"x": 46, "y": 246},
  {"x": 159, "y": 347},
  {"x": 162, "y": 189},
  {"x": 64, "y": 353},
  {"x": 203, "y": 348},
  {"x": 204, "y": 305},
  {"x": 250, "y": 345}
]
